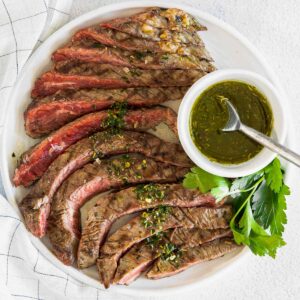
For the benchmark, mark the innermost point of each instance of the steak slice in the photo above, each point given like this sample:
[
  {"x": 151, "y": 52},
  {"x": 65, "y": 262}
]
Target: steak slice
[
  {"x": 101, "y": 217},
  {"x": 173, "y": 28},
  {"x": 170, "y": 18},
  {"x": 109, "y": 77},
  {"x": 131, "y": 59},
  {"x": 141, "y": 256},
  {"x": 122, "y": 40},
  {"x": 35, "y": 207},
  {"x": 101, "y": 176},
  {"x": 135, "y": 231},
  {"x": 36, "y": 160},
  {"x": 192, "y": 256},
  {"x": 66, "y": 105}
]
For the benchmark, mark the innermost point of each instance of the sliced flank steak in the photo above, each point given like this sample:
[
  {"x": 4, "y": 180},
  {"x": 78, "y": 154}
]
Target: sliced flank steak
[
  {"x": 36, "y": 160},
  {"x": 141, "y": 256},
  {"x": 101, "y": 217},
  {"x": 66, "y": 105},
  {"x": 135, "y": 231},
  {"x": 79, "y": 51},
  {"x": 35, "y": 207},
  {"x": 192, "y": 256},
  {"x": 122, "y": 40},
  {"x": 155, "y": 30},
  {"x": 92, "y": 179},
  {"x": 93, "y": 75},
  {"x": 164, "y": 18}
]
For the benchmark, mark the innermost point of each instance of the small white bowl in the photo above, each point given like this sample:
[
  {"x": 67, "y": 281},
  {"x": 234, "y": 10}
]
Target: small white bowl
[{"x": 265, "y": 156}]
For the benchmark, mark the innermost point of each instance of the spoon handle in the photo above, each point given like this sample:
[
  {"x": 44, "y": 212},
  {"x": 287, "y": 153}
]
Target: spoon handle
[{"x": 271, "y": 144}]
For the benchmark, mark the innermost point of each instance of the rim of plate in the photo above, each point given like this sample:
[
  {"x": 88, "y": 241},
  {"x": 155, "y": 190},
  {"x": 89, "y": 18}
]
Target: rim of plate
[{"x": 128, "y": 290}]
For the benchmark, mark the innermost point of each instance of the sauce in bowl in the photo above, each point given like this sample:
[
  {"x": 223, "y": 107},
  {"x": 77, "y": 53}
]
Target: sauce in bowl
[{"x": 209, "y": 115}]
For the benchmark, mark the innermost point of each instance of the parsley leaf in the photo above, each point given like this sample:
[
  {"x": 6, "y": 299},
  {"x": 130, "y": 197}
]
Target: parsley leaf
[
  {"x": 204, "y": 181},
  {"x": 274, "y": 176}
]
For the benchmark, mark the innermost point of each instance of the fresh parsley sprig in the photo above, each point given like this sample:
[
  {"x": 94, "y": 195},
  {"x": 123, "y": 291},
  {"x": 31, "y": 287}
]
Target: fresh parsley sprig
[{"x": 259, "y": 202}]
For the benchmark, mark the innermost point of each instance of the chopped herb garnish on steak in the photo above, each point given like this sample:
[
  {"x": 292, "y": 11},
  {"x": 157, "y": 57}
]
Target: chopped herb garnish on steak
[
  {"x": 139, "y": 55},
  {"x": 170, "y": 252},
  {"x": 165, "y": 57},
  {"x": 150, "y": 192},
  {"x": 115, "y": 119},
  {"x": 154, "y": 218}
]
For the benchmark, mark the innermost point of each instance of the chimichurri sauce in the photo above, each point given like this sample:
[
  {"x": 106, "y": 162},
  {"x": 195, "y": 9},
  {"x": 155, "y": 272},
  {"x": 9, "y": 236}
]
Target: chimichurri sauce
[{"x": 209, "y": 115}]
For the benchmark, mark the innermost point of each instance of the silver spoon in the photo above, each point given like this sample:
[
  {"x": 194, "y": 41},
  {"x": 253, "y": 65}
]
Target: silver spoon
[{"x": 234, "y": 123}]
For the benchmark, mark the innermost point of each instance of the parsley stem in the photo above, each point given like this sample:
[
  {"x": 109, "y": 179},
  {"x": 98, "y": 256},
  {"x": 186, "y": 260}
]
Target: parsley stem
[{"x": 252, "y": 189}]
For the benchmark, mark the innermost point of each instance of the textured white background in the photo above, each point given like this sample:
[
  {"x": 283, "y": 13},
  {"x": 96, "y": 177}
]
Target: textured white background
[{"x": 273, "y": 27}]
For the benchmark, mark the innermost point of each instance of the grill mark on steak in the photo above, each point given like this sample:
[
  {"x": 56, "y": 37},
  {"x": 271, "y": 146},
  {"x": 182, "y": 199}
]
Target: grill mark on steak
[
  {"x": 110, "y": 78},
  {"x": 141, "y": 256},
  {"x": 64, "y": 106},
  {"x": 171, "y": 18},
  {"x": 36, "y": 160},
  {"x": 191, "y": 257},
  {"x": 96, "y": 178},
  {"x": 134, "y": 232},
  {"x": 35, "y": 207},
  {"x": 114, "y": 38},
  {"x": 186, "y": 238},
  {"x": 119, "y": 57},
  {"x": 101, "y": 217}
]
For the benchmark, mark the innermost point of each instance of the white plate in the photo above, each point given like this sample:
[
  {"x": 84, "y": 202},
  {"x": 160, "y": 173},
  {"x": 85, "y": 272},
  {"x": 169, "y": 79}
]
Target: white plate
[{"x": 227, "y": 47}]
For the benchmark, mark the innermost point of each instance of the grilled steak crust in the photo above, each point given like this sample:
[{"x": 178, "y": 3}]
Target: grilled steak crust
[
  {"x": 122, "y": 40},
  {"x": 157, "y": 17},
  {"x": 66, "y": 105},
  {"x": 142, "y": 255},
  {"x": 134, "y": 232},
  {"x": 35, "y": 207},
  {"x": 174, "y": 28},
  {"x": 109, "y": 77},
  {"x": 36, "y": 160},
  {"x": 101, "y": 217},
  {"x": 191, "y": 257},
  {"x": 96, "y": 178}
]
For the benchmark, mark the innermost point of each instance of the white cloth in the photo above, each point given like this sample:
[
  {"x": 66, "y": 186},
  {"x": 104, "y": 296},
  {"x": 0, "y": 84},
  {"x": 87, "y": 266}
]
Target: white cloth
[
  {"x": 26, "y": 274},
  {"x": 24, "y": 24}
]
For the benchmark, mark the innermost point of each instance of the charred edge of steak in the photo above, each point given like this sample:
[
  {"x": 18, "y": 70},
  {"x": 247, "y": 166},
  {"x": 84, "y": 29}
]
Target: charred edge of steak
[
  {"x": 101, "y": 217},
  {"x": 113, "y": 173},
  {"x": 191, "y": 257},
  {"x": 35, "y": 206},
  {"x": 36, "y": 161}
]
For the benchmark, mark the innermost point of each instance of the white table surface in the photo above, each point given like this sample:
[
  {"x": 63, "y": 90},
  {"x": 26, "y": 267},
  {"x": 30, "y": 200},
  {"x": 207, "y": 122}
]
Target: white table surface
[{"x": 273, "y": 27}]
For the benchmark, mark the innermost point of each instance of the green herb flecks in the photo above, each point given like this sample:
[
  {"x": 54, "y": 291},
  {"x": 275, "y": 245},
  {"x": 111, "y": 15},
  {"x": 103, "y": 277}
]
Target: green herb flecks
[
  {"x": 154, "y": 218},
  {"x": 115, "y": 120},
  {"x": 259, "y": 202},
  {"x": 165, "y": 57},
  {"x": 140, "y": 55},
  {"x": 170, "y": 252},
  {"x": 150, "y": 192}
]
